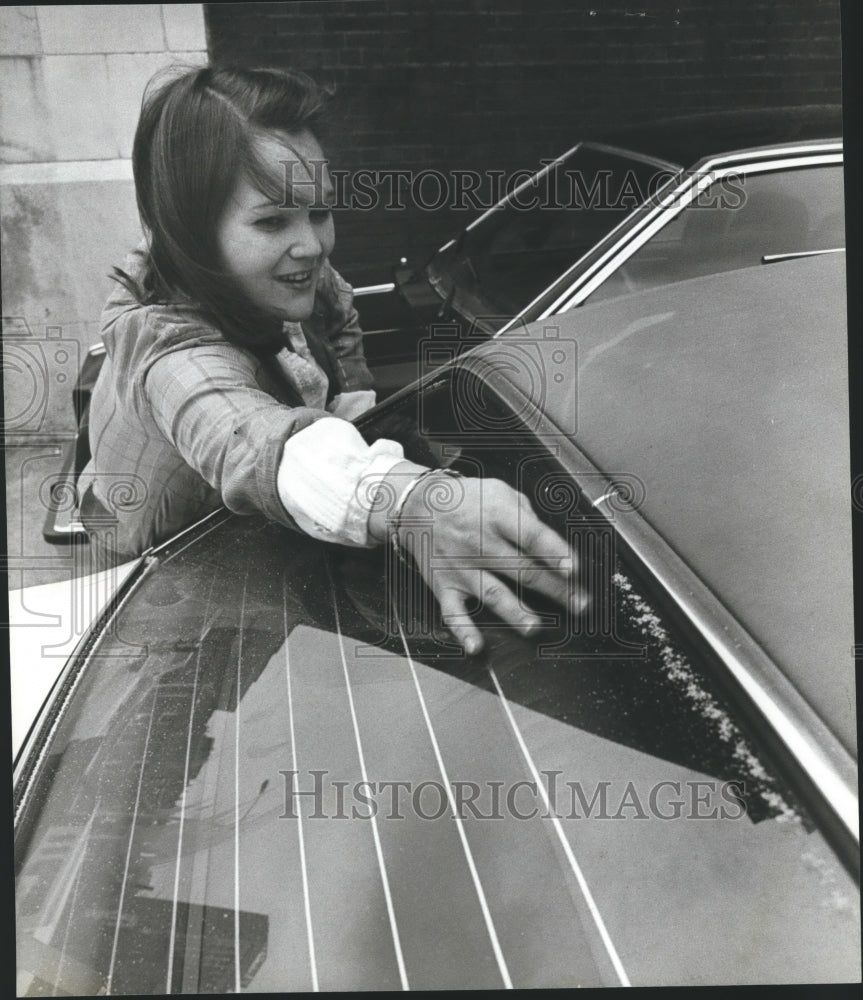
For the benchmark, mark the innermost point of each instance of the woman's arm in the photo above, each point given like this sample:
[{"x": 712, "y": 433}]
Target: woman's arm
[
  {"x": 305, "y": 468},
  {"x": 207, "y": 402}
]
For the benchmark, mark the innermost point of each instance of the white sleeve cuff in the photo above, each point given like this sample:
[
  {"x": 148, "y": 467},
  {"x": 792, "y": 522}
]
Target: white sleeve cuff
[
  {"x": 349, "y": 405},
  {"x": 327, "y": 476}
]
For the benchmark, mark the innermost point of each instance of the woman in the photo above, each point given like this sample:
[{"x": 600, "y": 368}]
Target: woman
[{"x": 234, "y": 356}]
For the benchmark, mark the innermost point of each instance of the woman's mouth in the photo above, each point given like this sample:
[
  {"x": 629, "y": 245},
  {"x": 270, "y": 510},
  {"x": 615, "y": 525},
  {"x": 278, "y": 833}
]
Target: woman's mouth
[{"x": 299, "y": 280}]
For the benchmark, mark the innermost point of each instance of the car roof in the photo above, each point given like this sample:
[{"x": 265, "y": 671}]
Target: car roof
[
  {"x": 727, "y": 396},
  {"x": 687, "y": 139}
]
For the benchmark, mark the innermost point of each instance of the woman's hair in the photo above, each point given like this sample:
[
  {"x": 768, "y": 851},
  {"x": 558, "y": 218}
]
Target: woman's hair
[{"x": 195, "y": 136}]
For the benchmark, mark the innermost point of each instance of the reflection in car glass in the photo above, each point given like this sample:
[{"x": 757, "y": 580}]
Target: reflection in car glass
[{"x": 736, "y": 223}]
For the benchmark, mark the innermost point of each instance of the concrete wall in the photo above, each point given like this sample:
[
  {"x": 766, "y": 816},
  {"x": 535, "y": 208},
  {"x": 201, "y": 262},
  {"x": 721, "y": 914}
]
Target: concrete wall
[{"x": 72, "y": 78}]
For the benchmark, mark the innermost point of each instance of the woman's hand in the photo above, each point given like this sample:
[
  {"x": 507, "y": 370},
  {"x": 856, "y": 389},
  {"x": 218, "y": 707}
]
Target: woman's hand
[{"x": 485, "y": 542}]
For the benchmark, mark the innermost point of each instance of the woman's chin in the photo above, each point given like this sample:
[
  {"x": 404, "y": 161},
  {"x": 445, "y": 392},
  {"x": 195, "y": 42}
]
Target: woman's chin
[{"x": 299, "y": 308}]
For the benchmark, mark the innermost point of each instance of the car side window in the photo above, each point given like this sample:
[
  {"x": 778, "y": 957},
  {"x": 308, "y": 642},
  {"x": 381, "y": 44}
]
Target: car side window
[{"x": 735, "y": 223}]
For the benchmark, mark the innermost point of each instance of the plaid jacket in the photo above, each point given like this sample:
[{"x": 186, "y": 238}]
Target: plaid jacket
[{"x": 182, "y": 421}]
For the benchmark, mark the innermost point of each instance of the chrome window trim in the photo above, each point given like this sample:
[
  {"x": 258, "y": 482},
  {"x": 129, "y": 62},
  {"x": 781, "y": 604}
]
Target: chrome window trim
[
  {"x": 702, "y": 177},
  {"x": 216, "y": 516},
  {"x": 775, "y": 152},
  {"x": 778, "y": 258},
  {"x": 551, "y": 164},
  {"x": 388, "y": 286},
  {"x": 494, "y": 208}
]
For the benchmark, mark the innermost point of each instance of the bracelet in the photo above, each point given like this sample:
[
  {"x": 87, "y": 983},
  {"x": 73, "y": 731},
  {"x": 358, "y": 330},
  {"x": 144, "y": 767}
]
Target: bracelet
[{"x": 402, "y": 500}]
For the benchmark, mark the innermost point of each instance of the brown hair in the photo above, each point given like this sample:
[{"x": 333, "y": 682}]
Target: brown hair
[{"x": 195, "y": 135}]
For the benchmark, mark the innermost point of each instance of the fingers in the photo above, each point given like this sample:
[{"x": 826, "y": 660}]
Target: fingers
[
  {"x": 502, "y": 534},
  {"x": 496, "y": 596},
  {"x": 458, "y": 621},
  {"x": 527, "y": 533},
  {"x": 558, "y": 577},
  {"x": 549, "y": 564}
]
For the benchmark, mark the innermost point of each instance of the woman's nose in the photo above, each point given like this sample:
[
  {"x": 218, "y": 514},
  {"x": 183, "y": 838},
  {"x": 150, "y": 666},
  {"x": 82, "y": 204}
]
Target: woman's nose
[{"x": 306, "y": 243}]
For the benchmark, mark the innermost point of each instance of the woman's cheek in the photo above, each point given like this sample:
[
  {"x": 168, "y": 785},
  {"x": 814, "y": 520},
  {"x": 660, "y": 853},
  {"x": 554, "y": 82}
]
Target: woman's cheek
[{"x": 330, "y": 240}]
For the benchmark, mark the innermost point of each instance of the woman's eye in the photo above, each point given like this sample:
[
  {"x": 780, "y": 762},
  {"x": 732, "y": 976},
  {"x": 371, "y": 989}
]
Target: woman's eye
[
  {"x": 320, "y": 214},
  {"x": 270, "y": 223}
]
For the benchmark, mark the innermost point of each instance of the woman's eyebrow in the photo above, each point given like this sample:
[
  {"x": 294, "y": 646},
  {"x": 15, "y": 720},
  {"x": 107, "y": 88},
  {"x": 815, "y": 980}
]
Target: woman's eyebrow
[{"x": 328, "y": 195}]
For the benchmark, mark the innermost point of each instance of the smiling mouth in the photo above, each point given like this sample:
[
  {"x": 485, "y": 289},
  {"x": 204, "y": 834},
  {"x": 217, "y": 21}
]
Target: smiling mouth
[{"x": 298, "y": 279}]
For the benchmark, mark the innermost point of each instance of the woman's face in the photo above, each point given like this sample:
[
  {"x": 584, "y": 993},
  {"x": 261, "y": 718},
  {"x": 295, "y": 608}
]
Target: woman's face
[{"x": 275, "y": 251}]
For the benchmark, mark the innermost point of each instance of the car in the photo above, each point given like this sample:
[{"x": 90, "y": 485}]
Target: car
[
  {"x": 605, "y": 218},
  {"x": 269, "y": 767},
  {"x": 626, "y": 210}
]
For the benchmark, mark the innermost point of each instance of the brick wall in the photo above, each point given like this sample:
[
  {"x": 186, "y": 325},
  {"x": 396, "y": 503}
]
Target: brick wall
[{"x": 452, "y": 84}]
